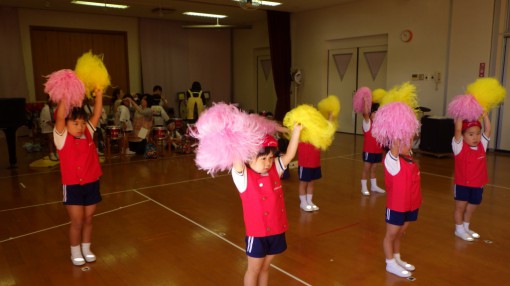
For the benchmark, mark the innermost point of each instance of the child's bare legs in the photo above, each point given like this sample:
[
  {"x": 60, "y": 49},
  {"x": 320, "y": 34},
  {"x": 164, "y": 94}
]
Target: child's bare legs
[
  {"x": 369, "y": 169},
  {"x": 257, "y": 273},
  {"x": 373, "y": 179},
  {"x": 303, "y": 191},
  {"x": 364, "y": 175},
  {"x": 462, "y": 216},
  {"x": 391, "y": 245},
  {"x": 80, "y": 232}
]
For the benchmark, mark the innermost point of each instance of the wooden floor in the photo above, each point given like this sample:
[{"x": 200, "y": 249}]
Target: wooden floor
[{"x": 163, "y": 222}]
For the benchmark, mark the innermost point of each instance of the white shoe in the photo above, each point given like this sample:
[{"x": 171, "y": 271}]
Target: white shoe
[
  {"x": 365, "y": 192},
  {"x": 464, "y": 235},
  {"x": 306, "y": 208},
  {"x": 377, "y": 189},
  {"x": 405, "y": 265},
  {"x": 314, "y": 207},
  {"x": 129, "y": 152},
  {"x": 396, "y": 269},
  {"x": 78, "y": 261},
  {"x": 90, "y": 257},
  {"x": 472, "y": 233}
]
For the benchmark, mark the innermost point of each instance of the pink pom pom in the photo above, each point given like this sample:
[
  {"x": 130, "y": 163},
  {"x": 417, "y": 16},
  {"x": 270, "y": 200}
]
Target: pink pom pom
[
  {"x": 362, "y": 98},
  {"x": 226, "y": 135},
  {"x": 395, "y": 121},
  {"x": 264, "y": 125},
  {"x": 64, "y": 84},
  {"x": 465, "y": 107}
]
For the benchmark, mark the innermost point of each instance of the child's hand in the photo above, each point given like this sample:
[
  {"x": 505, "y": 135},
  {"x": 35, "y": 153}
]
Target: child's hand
[
  {"x": 297, "y": 127},
  {"x": 98, "y": 92}
]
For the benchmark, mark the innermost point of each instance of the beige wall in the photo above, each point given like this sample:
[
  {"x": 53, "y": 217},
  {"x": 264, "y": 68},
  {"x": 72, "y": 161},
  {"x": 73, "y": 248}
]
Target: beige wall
[
  {"x": 248, "y": 44},
  {"x": 431, "y": 50},
  {"x": 29, "y": 18}
]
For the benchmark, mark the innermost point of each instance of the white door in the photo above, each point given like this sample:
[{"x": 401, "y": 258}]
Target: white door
[
  {"x": 342, "y": 74},
  {"x": 266, "y": 94},
  {"x": 503, "y": 126},
  {"x": 371, "y": 73},
  {"x": 349, "y": 69}
]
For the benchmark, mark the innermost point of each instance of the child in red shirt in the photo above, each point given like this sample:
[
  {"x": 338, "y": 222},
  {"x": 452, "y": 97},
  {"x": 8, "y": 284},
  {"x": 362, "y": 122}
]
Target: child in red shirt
[
  {"x": 265, "y": 219},
  {"x": 469, "y": 147},
  {"x": 80, "y": 169},
  {"x": 372, "y": 152}
]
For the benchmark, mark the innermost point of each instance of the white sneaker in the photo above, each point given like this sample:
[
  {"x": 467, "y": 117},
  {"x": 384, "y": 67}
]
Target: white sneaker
[
  {"x": 377, "y": 189},
  {"x": 365, "y": 192},
  {"x": 464, "y": 235},
  {"x": 314, "y": 207},
  {"x": 129, "y": 152},
  {"x": 306, "y": 208},
  {"x": 396, "y": 269},
  {"x": 472, "y": 233},
  {"x": 78, "y": 261},
  {"x": 405, "y": 265}
]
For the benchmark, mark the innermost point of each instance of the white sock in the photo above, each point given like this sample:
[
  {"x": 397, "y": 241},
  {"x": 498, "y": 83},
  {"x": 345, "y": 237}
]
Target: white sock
[
  {"x": 302, "y": 198},
  {"x": 89, "y": 256},
  {"x": 76, "y": 252},
  {"x": 364, "y": 185},
  {"x": 373, "y": 182},
  {"x": 85, "y": 248},
  {"x": 391, "y": 261},
  {"x": 466, "y": 226},
  {"x": 460, "y": 228},
  {"x": 309, "y": 199}
]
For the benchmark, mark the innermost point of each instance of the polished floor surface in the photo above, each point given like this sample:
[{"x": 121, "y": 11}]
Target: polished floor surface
[{"x": 163, "y": 222}]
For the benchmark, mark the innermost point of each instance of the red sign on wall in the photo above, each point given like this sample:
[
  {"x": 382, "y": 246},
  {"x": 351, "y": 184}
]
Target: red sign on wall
[{"x": 481, "y": 70}]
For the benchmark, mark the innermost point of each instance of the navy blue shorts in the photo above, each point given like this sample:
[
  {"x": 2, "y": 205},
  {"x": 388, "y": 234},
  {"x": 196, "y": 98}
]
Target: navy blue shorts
[
  {"x": 372, "y": 157},
  {"x": 259, "y": 247},
  {"x": 468, "y": 194},
  {"x": 309, "y": 174},
  {"x": 399, "y": 218},
  {"x": 83, "y": 195}
]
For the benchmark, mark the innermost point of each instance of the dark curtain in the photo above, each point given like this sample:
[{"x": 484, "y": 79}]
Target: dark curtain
[{"x": 279, "y": 41}]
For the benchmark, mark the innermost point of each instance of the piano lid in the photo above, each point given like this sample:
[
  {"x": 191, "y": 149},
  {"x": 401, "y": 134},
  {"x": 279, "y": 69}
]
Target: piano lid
[{"x": 12, "y": 112}]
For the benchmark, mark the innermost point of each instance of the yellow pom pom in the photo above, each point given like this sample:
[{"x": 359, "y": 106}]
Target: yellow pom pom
[
  {"x": 405, "y": 93},
  {"x": 377, "y": 95},
  {"x": 488, "y": 92},
  {"x": 317, "y": 130},
  {"x": 92, "y": 72},
  {"x": 329, "y": 106}
]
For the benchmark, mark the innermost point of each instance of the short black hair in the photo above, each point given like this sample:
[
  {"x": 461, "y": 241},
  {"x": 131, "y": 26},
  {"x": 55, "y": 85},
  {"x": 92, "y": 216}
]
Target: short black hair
[
  {"x": 374, "y": 107},
  {"x": 266, "y": 150},
  {"x": 156, "y": 88},
  {"x": 77, "y": 113}
]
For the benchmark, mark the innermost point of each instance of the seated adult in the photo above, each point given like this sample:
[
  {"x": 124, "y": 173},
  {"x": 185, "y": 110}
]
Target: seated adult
[{"x": 142, "y": 125}]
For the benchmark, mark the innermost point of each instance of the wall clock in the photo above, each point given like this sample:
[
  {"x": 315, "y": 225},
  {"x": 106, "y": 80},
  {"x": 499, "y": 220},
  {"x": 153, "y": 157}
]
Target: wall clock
[{"x": 406, "y": 35}]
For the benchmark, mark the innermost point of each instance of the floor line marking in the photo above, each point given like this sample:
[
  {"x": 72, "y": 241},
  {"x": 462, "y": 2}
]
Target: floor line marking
[
  {"x": 338, "y": 229},
  {"x": 63, "y": 224},
  {"x": 215, "y": 234}
]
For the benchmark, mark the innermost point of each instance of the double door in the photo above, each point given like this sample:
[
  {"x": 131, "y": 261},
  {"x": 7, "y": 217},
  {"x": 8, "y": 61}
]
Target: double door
[{"x": 350, "y": 69}]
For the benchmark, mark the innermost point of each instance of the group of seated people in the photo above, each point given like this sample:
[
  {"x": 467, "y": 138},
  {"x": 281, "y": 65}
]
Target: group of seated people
[
  {"x": 135, "y": 121},
  {"x": 145, "y": 120}
]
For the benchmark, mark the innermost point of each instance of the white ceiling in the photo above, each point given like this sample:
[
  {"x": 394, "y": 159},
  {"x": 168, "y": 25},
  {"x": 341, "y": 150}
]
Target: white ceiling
[{"x": 149, "y": 8}]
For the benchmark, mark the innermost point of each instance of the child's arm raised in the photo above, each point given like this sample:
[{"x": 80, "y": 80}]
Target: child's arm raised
[
  {"x": 98, "y": 107},
  {"x": 486, "y": 125},
  {"x": 238, "y": 166},
  {"x": 458, "y": 129},
  {"x": 293, "y": 144},
  {"x": 60, "y": 116}
]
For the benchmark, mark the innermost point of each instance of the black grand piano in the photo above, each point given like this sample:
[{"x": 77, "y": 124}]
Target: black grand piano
[{"x": 12, "y": 116}]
